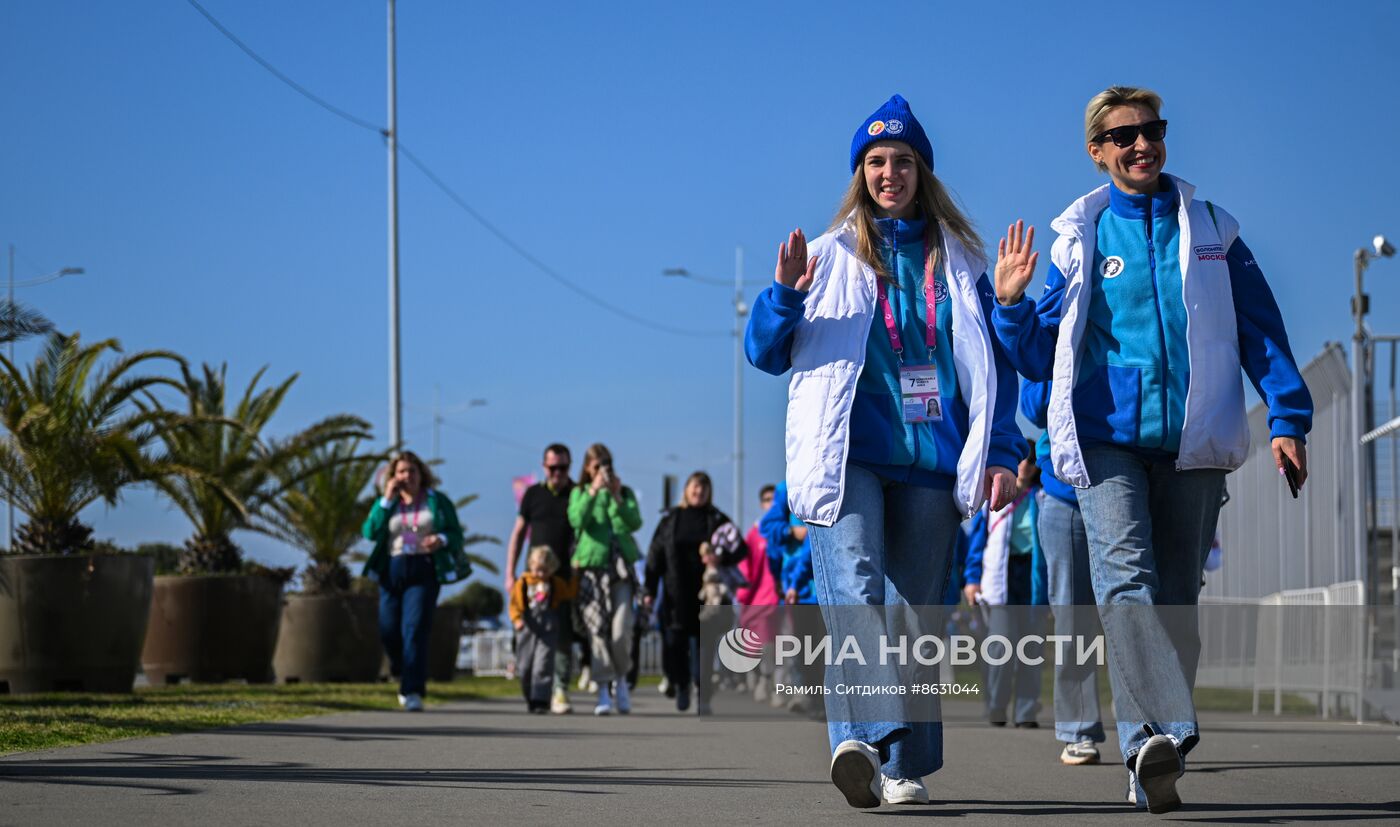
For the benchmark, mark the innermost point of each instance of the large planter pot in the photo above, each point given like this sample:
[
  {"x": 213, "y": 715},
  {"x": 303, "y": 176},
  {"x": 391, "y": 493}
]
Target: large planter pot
[
  {"x": 73, "y": 623},
  {"x": 328, "y": 638},
  {"x": 212, "y": 627},
  {"x": 444, "y": 642}
]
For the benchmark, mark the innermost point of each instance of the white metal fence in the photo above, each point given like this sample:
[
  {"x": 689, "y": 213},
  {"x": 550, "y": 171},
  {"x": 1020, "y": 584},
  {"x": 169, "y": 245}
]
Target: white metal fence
[
  {"x": 1312, "y": 641},
  {"x": 1307, "y": 643},
  {"x": 493, "y": 653}
]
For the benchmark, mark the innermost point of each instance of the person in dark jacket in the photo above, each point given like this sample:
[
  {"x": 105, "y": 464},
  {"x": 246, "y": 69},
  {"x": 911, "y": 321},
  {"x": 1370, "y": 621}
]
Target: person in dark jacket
[{"x": 674, "y": 561}]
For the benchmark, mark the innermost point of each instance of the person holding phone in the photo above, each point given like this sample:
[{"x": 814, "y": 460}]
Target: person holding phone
[
  {"x": 1152, "y": 305},
  {"x": 889, "y": 306},
  {"x": 418, "y": 546},
  {"x": 604, "y": 514}
]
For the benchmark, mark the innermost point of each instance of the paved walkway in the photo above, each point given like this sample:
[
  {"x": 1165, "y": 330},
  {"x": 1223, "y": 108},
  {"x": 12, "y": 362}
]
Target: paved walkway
[{"x": 488, "y": 762}]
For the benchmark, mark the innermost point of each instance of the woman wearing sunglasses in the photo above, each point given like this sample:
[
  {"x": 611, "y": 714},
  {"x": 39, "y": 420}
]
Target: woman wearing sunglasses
[
  {"x": 890, "y": 310},
  {"x": 1152, "y": 304}
]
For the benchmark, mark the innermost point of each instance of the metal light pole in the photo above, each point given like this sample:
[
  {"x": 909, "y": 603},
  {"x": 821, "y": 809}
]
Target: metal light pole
[
  {"x": 10, "y": 352},
  {"x": 1360, "y": 414},
  {"x": 392, "y": 141},
  {"x": 740, "y": 311}
]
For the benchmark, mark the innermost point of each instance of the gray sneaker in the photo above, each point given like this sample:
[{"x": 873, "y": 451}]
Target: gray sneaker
[
  {"x": 1083, "y": 752},
  {"x": 1158, "y": 765}
]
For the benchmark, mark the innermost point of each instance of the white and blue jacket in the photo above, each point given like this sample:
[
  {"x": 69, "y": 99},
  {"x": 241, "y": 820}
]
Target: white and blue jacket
[
  {"x": 822, "y": 336},
  {"x": 1107, "y": 372}
]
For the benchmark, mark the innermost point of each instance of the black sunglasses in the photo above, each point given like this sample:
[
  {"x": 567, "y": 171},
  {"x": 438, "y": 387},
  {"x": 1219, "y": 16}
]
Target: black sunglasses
[
  {"x": 1125, "y": 136},
  {"x": 552, "y": 468}
]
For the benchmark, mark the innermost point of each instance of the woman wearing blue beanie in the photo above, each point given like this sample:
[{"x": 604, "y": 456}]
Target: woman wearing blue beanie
[
  {"x": 1152, "y": 305},
  {"x": 889, "y": 311}
]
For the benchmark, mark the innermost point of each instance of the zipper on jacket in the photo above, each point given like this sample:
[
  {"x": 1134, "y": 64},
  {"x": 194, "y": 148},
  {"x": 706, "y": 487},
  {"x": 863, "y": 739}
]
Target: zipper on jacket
[
  {"x": 1161, "y": 328},
  {"x": 899, "y": 389}
]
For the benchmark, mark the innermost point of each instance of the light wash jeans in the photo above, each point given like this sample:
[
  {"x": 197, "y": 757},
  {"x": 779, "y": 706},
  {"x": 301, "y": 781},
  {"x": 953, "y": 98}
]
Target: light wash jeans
[
  {"x": 1066, "y": 549},
  {"x": 1149, "y": 528},
  {"x": 891, "y": 547},
  {"x": 1014, "y": 682}
]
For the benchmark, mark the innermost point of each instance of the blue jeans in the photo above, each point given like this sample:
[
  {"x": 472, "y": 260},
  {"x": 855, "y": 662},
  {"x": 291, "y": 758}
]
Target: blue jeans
[
  {"x": 1066, "y": 548},
  {"x": 1014, "y": 680},
  {"x": 406, "y": 605},
  {"x": 1149, "y": 528},
  {"x": 891, "y": 546}
]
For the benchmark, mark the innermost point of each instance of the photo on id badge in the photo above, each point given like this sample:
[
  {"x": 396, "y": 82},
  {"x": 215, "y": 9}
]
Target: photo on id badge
[{"x": 919, "y": 389}]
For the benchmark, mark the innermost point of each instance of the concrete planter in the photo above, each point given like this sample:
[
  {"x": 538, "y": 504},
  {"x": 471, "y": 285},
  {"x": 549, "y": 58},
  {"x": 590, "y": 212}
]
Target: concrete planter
[
  {"x": 73, "y": 623},
  {"x": 328, "y": 638},
  {"x": 211, "y": 627},
  {"x": 446, "y": 637}
]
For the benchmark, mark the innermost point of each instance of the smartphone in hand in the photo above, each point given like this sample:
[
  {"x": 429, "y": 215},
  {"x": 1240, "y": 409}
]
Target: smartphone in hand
[{"x": 1290, "y": 473}]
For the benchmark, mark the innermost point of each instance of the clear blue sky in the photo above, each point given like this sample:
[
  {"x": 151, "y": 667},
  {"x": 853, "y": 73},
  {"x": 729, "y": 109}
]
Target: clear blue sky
[{"x": 220, "y": 214}]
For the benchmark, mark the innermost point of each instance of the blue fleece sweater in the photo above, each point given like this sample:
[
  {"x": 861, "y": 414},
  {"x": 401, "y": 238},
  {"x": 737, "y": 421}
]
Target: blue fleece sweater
[
  {"x": 924, "y": 453},
  {"x": 1142, "y": 405},
  {"x": 789, "y": 558},
  {"x": 1135, "y": 357},
  {"x": 1035, "y": 402}
]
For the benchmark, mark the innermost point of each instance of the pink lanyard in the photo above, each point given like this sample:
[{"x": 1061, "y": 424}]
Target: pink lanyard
[{"x": 930, "y": 315}]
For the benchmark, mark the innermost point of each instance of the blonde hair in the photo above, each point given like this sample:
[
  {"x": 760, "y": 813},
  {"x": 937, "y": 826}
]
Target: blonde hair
[
  {"x": 545, "y": 555},
  {"x": 597, "y": 452},
  {"x": 935, "y": 204},
  {"x": 1110, "y": 99}
]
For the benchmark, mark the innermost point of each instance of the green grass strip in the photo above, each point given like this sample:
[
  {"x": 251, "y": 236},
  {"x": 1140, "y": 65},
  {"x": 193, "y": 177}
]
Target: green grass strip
[{"x": 62, "y": 719}]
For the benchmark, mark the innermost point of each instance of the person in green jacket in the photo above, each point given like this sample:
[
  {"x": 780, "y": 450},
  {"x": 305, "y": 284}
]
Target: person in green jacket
[
  {"x": 417, "y": 546},
  {"x": 604, "y": 513}
]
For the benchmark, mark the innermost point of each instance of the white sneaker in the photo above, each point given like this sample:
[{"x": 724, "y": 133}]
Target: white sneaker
[
  {"x": 903, "y": 790},
  {"x": 664, "y": 685},
  {"x": 559, "y": 703},
  {"x": 1157, "y": 767},
  {"x": 403, "y": 701},
  {"x": 855, "y": 770},
  {"x": 585, "y": 677},
  {"x": 622, "y": 700},
  {"x": 604, "y": 706},
  {"x": 413, "y": 702}
]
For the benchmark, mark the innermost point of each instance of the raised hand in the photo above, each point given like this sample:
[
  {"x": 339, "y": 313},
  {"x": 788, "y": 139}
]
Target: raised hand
[
  {"x": 1015, "y": 262},
  {"x": 794, "y": 269}
]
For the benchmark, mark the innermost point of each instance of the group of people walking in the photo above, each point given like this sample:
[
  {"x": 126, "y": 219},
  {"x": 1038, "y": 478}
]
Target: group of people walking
[{"x": 904, "y": 349}]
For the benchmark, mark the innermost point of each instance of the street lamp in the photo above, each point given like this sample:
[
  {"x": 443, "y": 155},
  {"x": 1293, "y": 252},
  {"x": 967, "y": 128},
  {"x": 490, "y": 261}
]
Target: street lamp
[
  {"x": 741, "y": 310},
  {"x": 1360, "y": 415},
  {"x": 10, "y": 349}
]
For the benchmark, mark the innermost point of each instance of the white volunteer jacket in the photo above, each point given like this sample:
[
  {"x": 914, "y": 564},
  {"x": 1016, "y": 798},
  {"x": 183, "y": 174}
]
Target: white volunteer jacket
[
  {"x": 1215, "y": 431},
  {"x": 828, "y": 354}
]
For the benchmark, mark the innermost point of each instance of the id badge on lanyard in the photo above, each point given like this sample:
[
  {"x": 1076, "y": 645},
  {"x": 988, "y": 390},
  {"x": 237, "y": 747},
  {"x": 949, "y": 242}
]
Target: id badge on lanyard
[{"x": 920, "y": 400}]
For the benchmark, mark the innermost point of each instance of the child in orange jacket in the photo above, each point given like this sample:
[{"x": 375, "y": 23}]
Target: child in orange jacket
[{"x": 534, "y": 611}]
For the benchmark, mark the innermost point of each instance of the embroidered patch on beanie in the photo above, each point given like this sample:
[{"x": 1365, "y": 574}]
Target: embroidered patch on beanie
[{"x": 892, "y": 122}]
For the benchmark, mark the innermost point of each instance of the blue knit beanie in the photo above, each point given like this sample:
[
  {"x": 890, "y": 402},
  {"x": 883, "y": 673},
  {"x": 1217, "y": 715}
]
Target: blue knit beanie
[{"x": 891, "y": 122}]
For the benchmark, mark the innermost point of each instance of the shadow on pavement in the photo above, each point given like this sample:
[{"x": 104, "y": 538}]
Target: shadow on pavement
[{"x": 161, "y": 774}]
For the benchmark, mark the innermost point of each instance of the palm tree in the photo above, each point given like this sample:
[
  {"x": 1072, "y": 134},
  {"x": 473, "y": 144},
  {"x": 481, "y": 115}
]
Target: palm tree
[
  {"x": 321, "y": 509},
  {"x": 470, "y": 540},
  {"x": 18, "y": 322},
  {"x": 74, "y": 437},
  {"x": 227, "y": 471}
]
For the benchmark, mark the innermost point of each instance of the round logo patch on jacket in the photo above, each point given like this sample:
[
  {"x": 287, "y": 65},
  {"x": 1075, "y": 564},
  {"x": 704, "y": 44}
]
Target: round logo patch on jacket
[{"x": 1111, "y": 267}]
